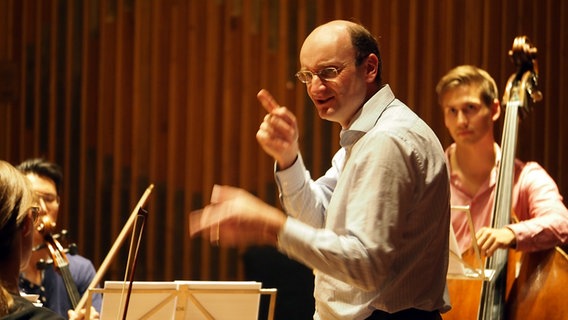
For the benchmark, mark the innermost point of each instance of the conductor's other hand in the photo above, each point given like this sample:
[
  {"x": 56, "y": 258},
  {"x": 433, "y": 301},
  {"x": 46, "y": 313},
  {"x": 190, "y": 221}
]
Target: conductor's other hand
[
  {"x": 237, "y": 218},
  {"x": 278, "y": 132}
]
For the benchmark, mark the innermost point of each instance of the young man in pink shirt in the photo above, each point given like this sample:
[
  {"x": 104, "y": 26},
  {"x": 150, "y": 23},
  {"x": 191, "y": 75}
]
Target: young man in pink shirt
[{"x": 469, "y": 99}]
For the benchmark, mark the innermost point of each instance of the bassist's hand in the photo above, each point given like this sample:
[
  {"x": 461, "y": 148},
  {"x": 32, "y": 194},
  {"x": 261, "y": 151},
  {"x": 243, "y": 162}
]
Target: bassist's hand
[{"x": 489, "y": 240}]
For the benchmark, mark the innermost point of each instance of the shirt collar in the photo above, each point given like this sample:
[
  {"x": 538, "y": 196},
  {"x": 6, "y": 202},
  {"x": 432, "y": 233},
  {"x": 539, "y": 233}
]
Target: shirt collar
[
  {"x": 490, "y": 183},
  {"x": 367, "y": 116}
]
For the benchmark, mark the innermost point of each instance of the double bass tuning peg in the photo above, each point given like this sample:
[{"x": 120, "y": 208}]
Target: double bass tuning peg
[{"x": 534, "y": 93}]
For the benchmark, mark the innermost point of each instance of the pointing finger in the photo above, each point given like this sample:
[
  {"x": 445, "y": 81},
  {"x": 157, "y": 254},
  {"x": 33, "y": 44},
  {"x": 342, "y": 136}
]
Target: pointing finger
[{"x": 267, "y": 100}]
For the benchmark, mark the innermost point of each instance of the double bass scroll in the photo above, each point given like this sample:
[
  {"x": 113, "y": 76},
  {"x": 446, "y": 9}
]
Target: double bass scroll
[{"x": 525, "y": 80}]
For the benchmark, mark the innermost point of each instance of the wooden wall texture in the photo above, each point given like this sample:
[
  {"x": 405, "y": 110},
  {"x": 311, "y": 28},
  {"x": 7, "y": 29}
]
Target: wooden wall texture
[{"x": 124, "y": 93}]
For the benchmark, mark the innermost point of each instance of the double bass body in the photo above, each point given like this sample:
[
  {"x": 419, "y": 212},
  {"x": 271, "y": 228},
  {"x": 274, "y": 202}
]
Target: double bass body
[{"x": 538, "y": 292}]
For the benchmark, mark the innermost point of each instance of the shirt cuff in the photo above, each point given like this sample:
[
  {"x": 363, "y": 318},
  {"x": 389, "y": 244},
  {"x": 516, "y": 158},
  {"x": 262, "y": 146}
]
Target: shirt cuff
[
  {"x": 292, "y": 178},
  {"x": 293, "y": 235}
]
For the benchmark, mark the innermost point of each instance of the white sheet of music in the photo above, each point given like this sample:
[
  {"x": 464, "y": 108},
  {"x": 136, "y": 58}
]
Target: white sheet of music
[
  {"x": 223, "y": 300},
  {"x": 148, "y": 295},
  {"x": 182, "y": 300}
]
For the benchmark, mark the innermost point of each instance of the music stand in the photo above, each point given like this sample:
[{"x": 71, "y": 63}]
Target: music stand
[
  {"x": 460, "y": 269},
  {"x": 185, "y": 300}
]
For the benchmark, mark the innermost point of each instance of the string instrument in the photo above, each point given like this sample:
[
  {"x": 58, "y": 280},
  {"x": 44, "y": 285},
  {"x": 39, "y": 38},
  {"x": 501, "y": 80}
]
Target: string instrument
[
  {"x": 539, "y": 291},
  {"x": 70, "y": 249},
  {"x": 515, "y": 100},
  {"x": 486, "y": 300},
  {"x": 60, "y": 261}
]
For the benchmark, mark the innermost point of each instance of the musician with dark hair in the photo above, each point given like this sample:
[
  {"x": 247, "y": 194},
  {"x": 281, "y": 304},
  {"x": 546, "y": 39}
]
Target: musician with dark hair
[
  {"x": 46, "y": 179},
  {"x": 19, "y": 212}
]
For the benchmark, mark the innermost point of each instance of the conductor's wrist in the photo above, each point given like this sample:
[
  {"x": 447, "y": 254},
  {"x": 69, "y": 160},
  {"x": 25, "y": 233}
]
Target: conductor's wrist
[{"x": 285, "y": 163}]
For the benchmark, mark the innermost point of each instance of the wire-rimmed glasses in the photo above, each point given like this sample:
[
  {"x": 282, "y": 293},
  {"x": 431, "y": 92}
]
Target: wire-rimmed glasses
[{"x": 328, "y": 73}]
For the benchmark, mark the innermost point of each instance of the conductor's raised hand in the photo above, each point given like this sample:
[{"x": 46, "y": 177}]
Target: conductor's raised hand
[{"x": 278, "y": 132}]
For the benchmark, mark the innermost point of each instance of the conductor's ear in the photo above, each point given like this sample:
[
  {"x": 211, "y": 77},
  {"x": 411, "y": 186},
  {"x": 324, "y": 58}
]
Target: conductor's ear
[{"x": 372, "y": 67}]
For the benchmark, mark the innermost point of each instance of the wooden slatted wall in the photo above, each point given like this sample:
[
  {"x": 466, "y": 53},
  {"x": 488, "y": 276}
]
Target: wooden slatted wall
[{"x": 124, "y": 93}]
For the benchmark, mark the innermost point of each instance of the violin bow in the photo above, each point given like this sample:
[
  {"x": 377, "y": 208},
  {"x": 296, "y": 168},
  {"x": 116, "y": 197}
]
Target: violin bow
[
  {"x": 133, "y": 256},
  {"x": 115, "y": 247}
]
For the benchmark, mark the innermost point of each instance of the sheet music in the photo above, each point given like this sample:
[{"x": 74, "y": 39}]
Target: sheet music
[
  {"x": 183, "y": 300},
  {"x": 223, "y": 300},
  {"x": 140, "y": 303}
]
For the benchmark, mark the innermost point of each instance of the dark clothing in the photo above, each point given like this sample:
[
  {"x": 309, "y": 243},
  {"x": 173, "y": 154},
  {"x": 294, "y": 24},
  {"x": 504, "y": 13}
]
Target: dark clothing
[
  {"x": 408, "y": 314},
  {"x": 293, "y": 280},
  {"x": 25, "y": 310},
  {"x": 53, "y": 294}
]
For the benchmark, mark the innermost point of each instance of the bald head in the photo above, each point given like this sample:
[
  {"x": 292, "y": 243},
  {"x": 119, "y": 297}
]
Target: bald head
[
  {"x": 332, "y": 31},
  {"x": 326, "y": 42},
  {"x": 340, "y": 66},
  {"x": 342, "y": 39},
  {"x": 334, "y": 26}
]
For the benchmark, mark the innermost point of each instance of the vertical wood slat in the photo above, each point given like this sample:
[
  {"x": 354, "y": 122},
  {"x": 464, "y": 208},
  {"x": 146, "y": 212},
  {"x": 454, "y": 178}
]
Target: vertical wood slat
[
  {"x": 105, "y": 184},
  {"x": 211, "y": 90},
  {"x": 114, "y": 15},
  {"x": 562, "y": 82},
  {"x": 167, "y": 95},
  {"x": 8, "y": 52},
  {"x": 83, "y": 179},
  {"x": 7, "y": 27},
  {"x": 5, "y": 55},
  {"x": 225, "y": 124},
  {"x": 141, "y": 130},
  {"x": 249, "y": 120},
  {"x": 52, "y": 43},
  {"x": 37, "y": 74},
  {"x": 65, "y": 120},
  {"x": 157, "y": 147},
  {"x": 174, "y": 115},
  {"x": 194, "y": 143}
]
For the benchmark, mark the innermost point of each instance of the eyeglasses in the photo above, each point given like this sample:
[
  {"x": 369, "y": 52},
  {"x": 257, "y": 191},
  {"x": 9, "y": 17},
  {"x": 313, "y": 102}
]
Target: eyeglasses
[
  {"x": 305, "y": 76},
  {"x": 49, "y": 199}
]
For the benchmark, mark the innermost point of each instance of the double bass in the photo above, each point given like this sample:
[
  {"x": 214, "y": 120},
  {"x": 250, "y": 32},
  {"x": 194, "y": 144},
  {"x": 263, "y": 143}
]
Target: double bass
[
  {"x": 537, "y": 292},
  {"x": 515, "y": 100}
]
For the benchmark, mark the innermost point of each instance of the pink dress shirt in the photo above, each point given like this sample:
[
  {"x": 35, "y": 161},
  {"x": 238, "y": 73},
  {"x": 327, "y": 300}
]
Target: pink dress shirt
[{"x": 536, "y": 201}]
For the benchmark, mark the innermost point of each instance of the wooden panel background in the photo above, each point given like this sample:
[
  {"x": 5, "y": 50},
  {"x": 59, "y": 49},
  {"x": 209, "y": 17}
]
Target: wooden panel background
[{"x": 124, "y": 93}]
